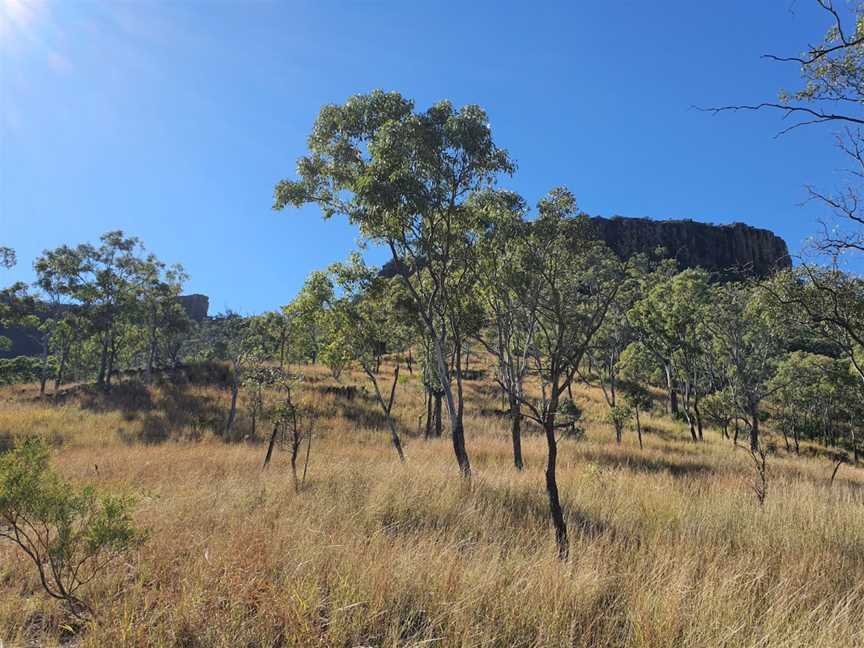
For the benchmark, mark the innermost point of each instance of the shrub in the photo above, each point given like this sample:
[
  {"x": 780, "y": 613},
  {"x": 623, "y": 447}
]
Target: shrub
[{"x": 70, "y": 534}]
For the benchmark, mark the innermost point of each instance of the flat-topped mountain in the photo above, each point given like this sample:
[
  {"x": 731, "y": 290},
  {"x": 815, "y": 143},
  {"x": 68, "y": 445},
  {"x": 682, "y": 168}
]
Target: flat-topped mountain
[
  {"x": 730, "y": 250},
  {"x": 727, "y": 251}
]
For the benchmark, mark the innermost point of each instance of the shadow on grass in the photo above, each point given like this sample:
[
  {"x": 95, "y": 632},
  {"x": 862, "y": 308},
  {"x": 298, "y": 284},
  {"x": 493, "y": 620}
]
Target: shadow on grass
[
  {"x": 651, "y": 465},
  {"x": 169, "y": 411},
  {"x": 532, "y": 507}
]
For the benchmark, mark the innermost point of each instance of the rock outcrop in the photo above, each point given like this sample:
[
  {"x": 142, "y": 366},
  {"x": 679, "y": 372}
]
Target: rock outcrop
[{"x": 735, "y": 250}]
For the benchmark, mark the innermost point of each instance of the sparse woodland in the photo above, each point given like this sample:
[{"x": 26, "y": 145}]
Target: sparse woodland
[{"x": 508, "y": 436}]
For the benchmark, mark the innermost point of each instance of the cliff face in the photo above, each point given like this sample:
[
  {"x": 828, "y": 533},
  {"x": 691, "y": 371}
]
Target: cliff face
[
  {"x": 727, "y": 251},
  {"x": 735, "y": 250},
  {"x": 196, "y": 306}
]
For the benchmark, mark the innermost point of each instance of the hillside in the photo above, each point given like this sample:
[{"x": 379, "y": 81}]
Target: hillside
[{"x": 669, "y": 547}]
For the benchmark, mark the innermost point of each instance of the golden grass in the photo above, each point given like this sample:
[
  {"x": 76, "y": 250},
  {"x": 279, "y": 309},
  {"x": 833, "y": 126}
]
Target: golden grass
[{"x": 668, "y": 547}]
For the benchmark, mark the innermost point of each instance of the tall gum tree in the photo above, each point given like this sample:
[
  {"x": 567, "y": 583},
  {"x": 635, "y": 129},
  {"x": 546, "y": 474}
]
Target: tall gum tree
[
  {"x": 404, "y": 178},
  {"x": 573, "y": 280}
]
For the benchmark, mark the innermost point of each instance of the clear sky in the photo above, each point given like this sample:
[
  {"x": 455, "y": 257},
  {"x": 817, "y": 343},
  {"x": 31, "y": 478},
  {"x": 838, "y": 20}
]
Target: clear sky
[{"x": 174, "y": 120}]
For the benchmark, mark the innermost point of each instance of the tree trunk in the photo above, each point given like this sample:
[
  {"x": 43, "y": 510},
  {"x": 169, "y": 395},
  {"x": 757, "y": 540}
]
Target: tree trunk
[
  {"x": 151, "y": 354},
  {"x": 58, "y": 379},
  {"x": 698, "y": 415},
  {"x": 638, "y": 428},
  {"x": 456, "y": 430},
  {"x": 232, "y": 413},
  {"x": 103, "y": 361},
  {"x": 516, "y": 431},
  {"x": 754, "y": 427},
  {"x": 428, "y": 431},
  {"x": 43, "y": 375},
  {"x": 271, "y": 445},
  {"x": 670, "y": 387},
  {"x": 555, "y": 509},
  {"x": 112, "y": 354},
  {"x": 387, "y": 407},
  {"x": 785, "y": 438},
  {"x": 439, "y": 425}
]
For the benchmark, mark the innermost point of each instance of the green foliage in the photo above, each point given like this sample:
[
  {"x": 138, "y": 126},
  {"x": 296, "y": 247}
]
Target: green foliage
[
  {"x": 70, "y": 534},
  {"x": 23, "y": 369}
]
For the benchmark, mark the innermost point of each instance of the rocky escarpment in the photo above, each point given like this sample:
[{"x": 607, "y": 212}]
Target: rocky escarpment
[{"x": 735, "y": 250}]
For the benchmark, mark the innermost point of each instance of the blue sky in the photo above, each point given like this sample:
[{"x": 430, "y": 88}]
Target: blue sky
[{"x": 174, "y": 120}]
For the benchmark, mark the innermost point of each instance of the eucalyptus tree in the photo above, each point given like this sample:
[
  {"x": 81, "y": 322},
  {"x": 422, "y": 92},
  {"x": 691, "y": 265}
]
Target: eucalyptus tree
[
  {"x": 104, "y": 281},
  {"x": 665, "y": 320},
  {"x": 613, "y": 337},
  {"x": 8, "y": 258},
  {"x": 721, "y": 409},
  {"x": 238, "y": 340},
  {"x": 815, "y": 396},
  {"x": 366, "y": 313},
  {"x": 159, "y": 288},
  {"x": 503, "y": 276},
  {"x": 573, "y": 280},
  {"x": 821, "y": 303},
  {"x": 15, "y": 302},
  {"x": 307, "y": 312},
  {"x": 830, "y": 94},
  {"x": 404, "y": 178},
  {"x": 638, "y": 399},
  {"x": 747, "y": 345},
  {"x": 280, "y": 327}
]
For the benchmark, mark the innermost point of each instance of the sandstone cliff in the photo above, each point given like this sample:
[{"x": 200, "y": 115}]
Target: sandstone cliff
[{"x": 728, "y": 250}]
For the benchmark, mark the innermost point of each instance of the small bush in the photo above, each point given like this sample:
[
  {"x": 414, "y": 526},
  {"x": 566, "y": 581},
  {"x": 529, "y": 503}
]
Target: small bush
[{"x": 71, "y": 535}]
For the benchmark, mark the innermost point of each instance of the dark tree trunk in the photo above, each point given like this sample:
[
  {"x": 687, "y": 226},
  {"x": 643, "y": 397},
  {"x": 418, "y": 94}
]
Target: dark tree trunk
[
  {"x": 387, "y": 407},
  {"x": 428, "y": 432},
  {"x": 754, "y": 427},
  {"x": 43, "y": 376},
  {"x": 458, "y": 435},
  {"x": 439, "y": 425},
  {"x": 454, "y": 405},
  {"x": 670, "y": 387},
  {"x": 698, "y": 414},
  {"x": 232, "y": 413},
  {"x": 112, "y": 355},
  {"x": 151, "y": 354},
  {"x": 638, "y": 428},
  {"x": 516, "y": 431},
  {"x": 555, "y": 509},
  {"x": 103, "y": 362},
  {"x": 58, "y": 379},
  {"x": 737, "y": 431},
  {"x": 271, "y": 445},
  {"x": 785, "y": 438}
]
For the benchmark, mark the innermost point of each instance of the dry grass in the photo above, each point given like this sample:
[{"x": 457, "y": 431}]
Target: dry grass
[{"x": 668, "y": 545}]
